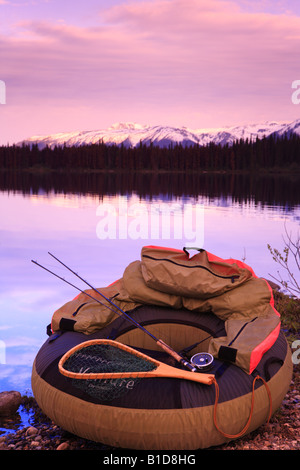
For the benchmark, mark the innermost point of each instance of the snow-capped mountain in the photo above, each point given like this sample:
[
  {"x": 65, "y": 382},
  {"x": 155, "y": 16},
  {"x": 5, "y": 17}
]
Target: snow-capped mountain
[{"x": 131, "y": 134}]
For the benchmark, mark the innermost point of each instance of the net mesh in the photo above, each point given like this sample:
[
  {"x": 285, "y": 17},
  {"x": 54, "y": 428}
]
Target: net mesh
[{"x": 106, "y": 358}]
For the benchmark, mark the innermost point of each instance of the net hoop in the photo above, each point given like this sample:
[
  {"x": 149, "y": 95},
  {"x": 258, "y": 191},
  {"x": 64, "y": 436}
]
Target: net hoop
[{"x": 95, "y": 375}]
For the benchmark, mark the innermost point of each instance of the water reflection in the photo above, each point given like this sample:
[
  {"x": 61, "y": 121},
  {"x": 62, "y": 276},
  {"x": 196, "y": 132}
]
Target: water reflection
[
  {"x": 60, "y": 213},
  {"x": 263, "y": 189}
]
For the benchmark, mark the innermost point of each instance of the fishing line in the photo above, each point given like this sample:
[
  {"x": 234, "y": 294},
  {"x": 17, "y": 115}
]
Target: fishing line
[{"x": 120, "y": 312}]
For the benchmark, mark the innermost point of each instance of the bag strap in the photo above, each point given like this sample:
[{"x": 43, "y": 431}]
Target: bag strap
[{"x": 187, "y": 248}]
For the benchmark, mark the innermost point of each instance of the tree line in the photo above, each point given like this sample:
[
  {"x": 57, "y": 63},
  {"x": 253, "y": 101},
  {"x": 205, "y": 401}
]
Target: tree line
[
  {"x": 245, "y": 188},
  {"x": 243, "y": 155}
]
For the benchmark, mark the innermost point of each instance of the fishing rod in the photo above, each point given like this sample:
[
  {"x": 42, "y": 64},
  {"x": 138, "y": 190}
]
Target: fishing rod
[
  {"x": 119, "y": 312},
  {"x": 72, "y": 285}
]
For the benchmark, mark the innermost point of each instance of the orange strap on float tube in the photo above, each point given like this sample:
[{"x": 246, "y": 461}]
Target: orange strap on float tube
[{"x": 243, "y": 431}]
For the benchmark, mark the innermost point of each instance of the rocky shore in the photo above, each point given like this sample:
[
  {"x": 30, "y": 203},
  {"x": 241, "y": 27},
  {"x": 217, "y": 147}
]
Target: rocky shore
[{"x": 282, "y": 433}]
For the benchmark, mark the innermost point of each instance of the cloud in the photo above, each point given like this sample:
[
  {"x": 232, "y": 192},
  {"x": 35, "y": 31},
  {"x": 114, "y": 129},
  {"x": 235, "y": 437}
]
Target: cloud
[{"x": 157, "y": 55}]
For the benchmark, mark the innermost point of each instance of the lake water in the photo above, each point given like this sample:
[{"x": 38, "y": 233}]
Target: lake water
[{"x": 97, "y": 224}]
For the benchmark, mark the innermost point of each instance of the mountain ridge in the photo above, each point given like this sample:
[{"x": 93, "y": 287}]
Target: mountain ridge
[{"x": 131, "y": 134}]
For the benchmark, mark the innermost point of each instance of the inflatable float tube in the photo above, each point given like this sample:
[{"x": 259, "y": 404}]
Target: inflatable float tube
[{"x": 162, "y": 413}]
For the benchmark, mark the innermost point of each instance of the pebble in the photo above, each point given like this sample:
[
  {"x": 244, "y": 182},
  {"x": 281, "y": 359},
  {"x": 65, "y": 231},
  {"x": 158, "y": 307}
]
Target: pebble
[
  {"x": 9, "y": 402},
  {"x": 63, "y": 446},
  {"x": 31, "y": 431},
  {"x": 35, "y": 444}
]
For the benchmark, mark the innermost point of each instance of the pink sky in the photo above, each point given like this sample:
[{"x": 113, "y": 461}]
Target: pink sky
[{"x": 76, "y": 65}]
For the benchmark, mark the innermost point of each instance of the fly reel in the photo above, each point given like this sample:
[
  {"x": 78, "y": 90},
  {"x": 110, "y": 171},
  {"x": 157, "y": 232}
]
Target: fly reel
[{"x": 203, "y": 361}]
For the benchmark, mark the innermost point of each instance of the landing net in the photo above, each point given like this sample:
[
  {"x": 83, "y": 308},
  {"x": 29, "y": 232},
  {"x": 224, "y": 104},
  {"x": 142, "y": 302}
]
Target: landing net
[{"x": 105, "y": 358}]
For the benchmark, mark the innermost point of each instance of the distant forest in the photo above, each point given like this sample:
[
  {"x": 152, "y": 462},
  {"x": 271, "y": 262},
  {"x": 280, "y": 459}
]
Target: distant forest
[{"x": 272, "y": 152}]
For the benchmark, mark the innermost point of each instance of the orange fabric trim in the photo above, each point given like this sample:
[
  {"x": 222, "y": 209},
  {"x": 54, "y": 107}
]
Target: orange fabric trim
[
  {"x": 211, "y": 258},
  {"x": 263, "y": 347},
  {"x": 272, "y": 303},
  {"x": 113, "y": 283},
  {"x": 164, "y": 248}
]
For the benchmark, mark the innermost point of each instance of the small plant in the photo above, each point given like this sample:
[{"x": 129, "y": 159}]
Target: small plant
[
  {"x": 289, "y": 309},
  {"x": 291, "y": 248}
]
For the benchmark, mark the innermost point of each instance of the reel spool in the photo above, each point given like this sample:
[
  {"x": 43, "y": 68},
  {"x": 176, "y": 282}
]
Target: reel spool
[{"x": 203, "y": 361}]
